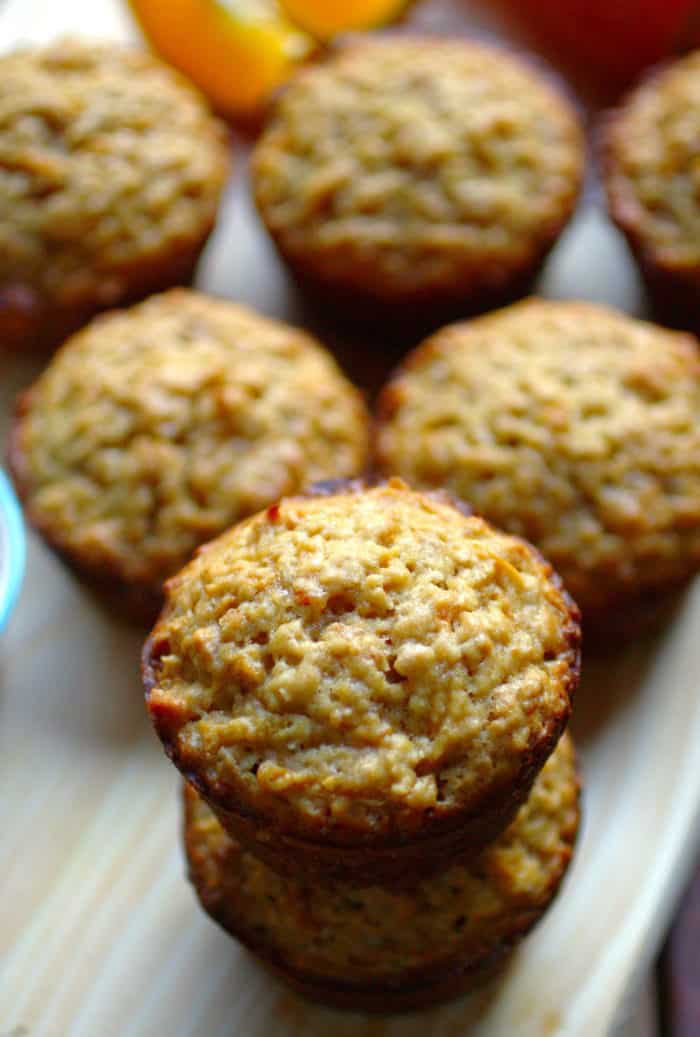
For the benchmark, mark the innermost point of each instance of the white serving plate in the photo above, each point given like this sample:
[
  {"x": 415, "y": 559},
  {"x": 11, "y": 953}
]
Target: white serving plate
[{"x": 100, "y": 935}]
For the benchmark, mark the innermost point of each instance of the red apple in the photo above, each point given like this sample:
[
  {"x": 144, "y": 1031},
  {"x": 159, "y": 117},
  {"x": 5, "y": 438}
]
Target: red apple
[{"x": 607, "y": 43}]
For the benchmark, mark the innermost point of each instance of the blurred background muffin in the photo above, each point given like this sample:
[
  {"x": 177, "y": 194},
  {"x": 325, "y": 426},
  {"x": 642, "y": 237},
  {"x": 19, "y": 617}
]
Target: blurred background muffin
[
  {"x": 111, "y": 169},
  {"x": 155, "y": 428},
  {"x": 572, "y": 425},
  {"x": 651, "y": 174},
  {"x": 365, "y": 682},
  {"x": 415, "y": 176},
  {"x": 392, "y": 947}
]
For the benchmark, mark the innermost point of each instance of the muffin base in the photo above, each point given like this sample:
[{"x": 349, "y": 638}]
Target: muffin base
[
  {"x": 134, "y": 603},
  {"x": 674, "y": 295},
  {"x": 454, "y": 981},
  {"x": 27, "y": 321},
  {"x": 450, "y": 981},
  {"x": 630, "y": 618},
  {"x": 461, "y": 970},
  {"x": 409, "y": 318},
  {"x": 369, "y": 863},
  {"x": 137, "y": 603}
]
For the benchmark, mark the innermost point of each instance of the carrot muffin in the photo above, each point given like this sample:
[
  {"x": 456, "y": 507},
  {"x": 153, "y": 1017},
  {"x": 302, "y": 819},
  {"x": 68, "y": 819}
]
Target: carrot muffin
[
  {"x": 567, "y": 423},
  {"x": 386, "y": 947},
  {"x": 652, "y": 178},
  {"x": 363, "y": 681},
  {"x": 111, "y": 168},
  {"x": 418, "y": 175},
  {"x": 155, "y": 428}
]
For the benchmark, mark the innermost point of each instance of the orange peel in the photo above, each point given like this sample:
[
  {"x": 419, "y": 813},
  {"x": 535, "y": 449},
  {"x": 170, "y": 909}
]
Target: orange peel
[
  {"x": 238, "y": 52},
  {"x": 325, "y": 19}
]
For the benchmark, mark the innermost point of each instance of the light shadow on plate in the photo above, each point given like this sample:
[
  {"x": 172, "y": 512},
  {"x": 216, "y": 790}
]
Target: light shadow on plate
[
  {"x": 608, "y": 682},
  {"x": 279, "y": 1012},
  {"x": 66, "y": 668},
  {"x": 611, "y": 677}
]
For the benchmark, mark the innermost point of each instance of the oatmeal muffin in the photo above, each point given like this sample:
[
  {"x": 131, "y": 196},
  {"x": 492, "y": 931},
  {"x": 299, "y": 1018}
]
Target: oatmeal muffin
[
  {"x": 418, "y": 175},
  {"x": 569, "y": 424},
  {"x": 392, "y": 947},
  {"x": 363, "y": 681},
  {"x": 111, "y": 168},
  {"x": 155, "y": 428},
  {"x": 652, "y": 179}
]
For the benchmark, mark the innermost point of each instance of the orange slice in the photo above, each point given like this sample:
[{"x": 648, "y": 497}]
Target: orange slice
[
  {"x": 236, "y": 51},
  {"x": 326, "y": 18}
]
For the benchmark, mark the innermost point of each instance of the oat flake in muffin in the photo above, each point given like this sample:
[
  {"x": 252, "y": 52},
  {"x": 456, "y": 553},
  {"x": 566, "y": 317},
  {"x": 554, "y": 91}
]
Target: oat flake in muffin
[
  {"x": 155, "y": 428},
  {"x": 362, "y": 669},
  {"x": 418, "y": 171},
  {"x": 567, "y": 423},
  {"x": 111, "y": 168},
  {"x": 365, "y": 946}
]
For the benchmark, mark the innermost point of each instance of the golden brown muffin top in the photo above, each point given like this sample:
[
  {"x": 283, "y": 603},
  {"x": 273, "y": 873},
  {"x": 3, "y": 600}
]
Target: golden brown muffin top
[
  {"x": 652, "y": 168},
  {"x": 567, "y": 423},
  {"x": 155, "y": 428},
  {"x": 369, "y": 661},
  {"x": 107, "y": 158},
  {"x": 406, "y": 162},
  {"x": 468, "y": 909}
]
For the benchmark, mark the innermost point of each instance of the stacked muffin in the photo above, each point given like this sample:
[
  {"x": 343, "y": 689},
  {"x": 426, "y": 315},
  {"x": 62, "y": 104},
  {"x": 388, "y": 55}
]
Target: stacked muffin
[{"x": 365, "y": 688}]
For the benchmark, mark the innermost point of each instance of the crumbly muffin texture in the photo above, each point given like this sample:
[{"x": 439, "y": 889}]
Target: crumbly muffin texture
[
  {"x": 108, "y": 160},
  {"x": 569, "y": 424},
  {"x": 362, "y": 663},
  {"x": 415, "y": 166},
  {"x": 653, "y": 175},
  {"x": 468, "y": 911},
  {"x": 155, "y": 428}
]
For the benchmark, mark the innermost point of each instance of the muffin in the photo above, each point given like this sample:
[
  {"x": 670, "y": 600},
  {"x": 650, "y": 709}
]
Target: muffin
[
  {"x": 387, "y": 948},
  {"x": 652, "y": 179},
  {"x": 363, "y": 681},
  {"x": 569, "y": 424},
  {"x": 155, "y": 428},
  {"x": 111, "y": 168},
  {"x": 409, "y": 177}
]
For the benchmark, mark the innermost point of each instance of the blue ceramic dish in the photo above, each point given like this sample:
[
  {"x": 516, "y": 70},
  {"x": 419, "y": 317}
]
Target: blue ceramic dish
[{"x": 12, "y": 549}]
